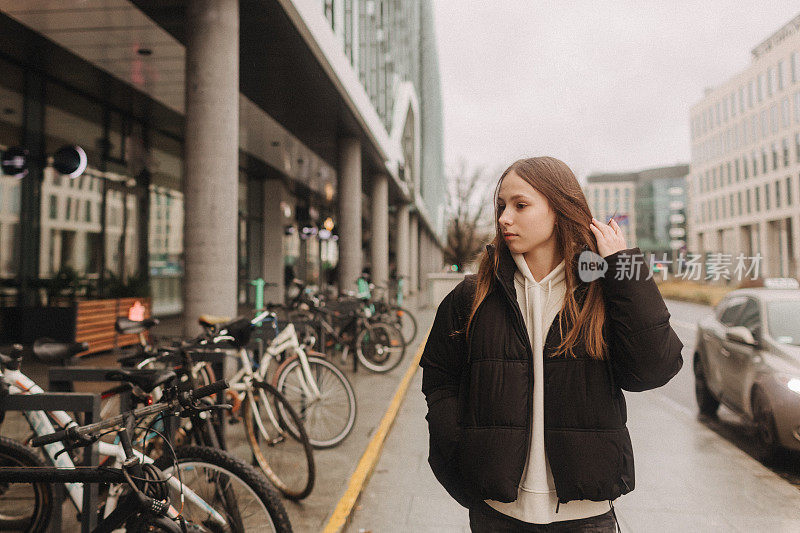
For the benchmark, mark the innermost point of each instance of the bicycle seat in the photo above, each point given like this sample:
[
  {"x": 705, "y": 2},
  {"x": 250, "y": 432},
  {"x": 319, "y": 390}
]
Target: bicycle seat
[
  {"x": 12, "y": 352},
  {"x": 145, "y": 378},
  {"x": 49, "y": 351},
  {"x": 126, "y": 326},
  {"x": 209, "y": 321},
  {"x": 240, "y": 329}
]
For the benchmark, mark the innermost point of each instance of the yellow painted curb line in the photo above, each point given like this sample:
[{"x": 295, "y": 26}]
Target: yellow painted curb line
[{"x": 369, "y": 459}]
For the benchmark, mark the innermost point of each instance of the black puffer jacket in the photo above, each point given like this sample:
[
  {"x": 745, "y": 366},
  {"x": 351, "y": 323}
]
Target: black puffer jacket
[{"x": 480, "y": 392}]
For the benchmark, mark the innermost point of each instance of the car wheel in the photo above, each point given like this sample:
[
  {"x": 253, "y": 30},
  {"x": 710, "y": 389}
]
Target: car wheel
[
  {"x": 766, "y": 431},
  {"x": 706, "y": 402}
]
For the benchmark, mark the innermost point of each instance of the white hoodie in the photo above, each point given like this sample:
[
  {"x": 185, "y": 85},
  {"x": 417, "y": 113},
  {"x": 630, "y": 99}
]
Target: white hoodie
[{"x": 536, "y": 496}]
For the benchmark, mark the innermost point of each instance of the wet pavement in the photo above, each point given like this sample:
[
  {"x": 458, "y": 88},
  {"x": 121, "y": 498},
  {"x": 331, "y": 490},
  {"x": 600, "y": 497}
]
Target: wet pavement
[{"x": 689, "y": 476}]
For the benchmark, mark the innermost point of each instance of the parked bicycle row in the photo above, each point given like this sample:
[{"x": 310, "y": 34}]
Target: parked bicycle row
[{"x": 283, "y": 393}]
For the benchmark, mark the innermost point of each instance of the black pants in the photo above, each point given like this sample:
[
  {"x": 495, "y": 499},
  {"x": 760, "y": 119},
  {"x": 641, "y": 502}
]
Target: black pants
[{"x": 486, "y": 519}]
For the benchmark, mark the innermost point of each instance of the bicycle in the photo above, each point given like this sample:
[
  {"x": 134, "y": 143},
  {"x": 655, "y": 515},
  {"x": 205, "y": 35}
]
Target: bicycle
[
  {"x": 349, "y": 324},
  {"x": 391, "y": 312},
  {"x": 218, "y": 512},
  {"x": 290, "y": 466},
  {"x": 315, "y": 389}
]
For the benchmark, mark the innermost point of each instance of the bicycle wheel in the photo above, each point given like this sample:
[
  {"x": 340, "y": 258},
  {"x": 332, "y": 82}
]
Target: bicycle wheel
[
  {"x": 307, "y": 327},
  {"x": 231, "y": 487},
  {"x": 23, "y": 506},
  {"x": 328, "y": 419},
  {"x": 287, "y": 461},
  {"x": 380, "y": 347},
  {"x": 406, "y": 322}
]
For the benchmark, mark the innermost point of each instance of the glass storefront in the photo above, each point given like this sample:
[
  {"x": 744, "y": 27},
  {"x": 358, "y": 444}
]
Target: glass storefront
[
  {"x": 117, "y": 229},
  {"x": 250, "y": 232},
  {"x": 70, "y": 209},
  {"x": 165, "y": 235},
  {"x": 11, "y": 133}
]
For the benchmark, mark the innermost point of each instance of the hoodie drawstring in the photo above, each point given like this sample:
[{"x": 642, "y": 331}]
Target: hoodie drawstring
[{"x": 614, "y": 514}]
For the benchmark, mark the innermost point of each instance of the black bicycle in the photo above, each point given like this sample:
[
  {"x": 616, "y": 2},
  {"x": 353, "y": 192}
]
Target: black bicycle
[{"x": 347, "y": 324}]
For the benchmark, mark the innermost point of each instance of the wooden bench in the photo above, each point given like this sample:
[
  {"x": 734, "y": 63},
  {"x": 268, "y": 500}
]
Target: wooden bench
[{"x": 94, "y": 323}]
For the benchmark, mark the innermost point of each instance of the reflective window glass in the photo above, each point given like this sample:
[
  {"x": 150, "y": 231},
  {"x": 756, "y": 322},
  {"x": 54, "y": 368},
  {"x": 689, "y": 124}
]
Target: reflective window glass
[{"x": 11, "y": 114}]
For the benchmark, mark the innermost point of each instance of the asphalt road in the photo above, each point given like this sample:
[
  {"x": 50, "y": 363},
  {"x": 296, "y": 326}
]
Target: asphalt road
[{"x": 680, "y": 394}]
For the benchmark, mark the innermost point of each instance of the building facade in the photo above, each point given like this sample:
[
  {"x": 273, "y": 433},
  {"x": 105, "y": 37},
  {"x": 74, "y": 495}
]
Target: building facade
[
  {"x": 743, "y": 183},
  {"x": 650, "y": 207},
  {"x": 226, "y": 140}
]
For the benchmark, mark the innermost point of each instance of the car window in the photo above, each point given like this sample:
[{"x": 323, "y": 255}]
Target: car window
[
  {"x": 730, "y": 310},
  {"x": 783, "y": 321},
  {"x": 751, "y": 316}
]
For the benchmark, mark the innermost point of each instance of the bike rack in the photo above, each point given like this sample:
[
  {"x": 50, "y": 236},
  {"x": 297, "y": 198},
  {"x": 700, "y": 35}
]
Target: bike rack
[
  {"x": 215, "y": 357},
  {"x": 62, "y": 379},
  {"x": 87, "y": 403}
]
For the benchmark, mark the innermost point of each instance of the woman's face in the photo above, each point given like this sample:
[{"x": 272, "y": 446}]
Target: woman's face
[{"x": 525, "y": 217}]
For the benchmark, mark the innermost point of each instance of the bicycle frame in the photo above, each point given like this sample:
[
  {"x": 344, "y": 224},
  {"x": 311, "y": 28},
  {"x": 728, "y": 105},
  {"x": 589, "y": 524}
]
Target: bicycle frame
[
  {"x": 285, "y": 341},
  {"x": 40, "y": 423},
  {"x": 241, "y": 383}
]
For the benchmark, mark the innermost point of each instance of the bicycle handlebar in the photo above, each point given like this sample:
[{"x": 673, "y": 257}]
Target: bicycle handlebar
[{"x": 184, "y": 399}]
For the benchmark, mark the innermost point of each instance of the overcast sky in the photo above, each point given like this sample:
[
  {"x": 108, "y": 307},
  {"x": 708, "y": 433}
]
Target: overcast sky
[{"x": 604, "y": 86}]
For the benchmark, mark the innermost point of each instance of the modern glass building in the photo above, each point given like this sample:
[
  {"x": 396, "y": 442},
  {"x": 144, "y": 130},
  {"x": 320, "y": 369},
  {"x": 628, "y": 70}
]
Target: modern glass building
[
  {"x": 745, "y": 136},
  {"x": 650, "y": 207},
  {"x": 325, "y": 116}
]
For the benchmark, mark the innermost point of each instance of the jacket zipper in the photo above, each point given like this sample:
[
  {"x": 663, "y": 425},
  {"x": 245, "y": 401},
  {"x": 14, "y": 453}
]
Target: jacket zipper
[{"x": 520, "y": 324}]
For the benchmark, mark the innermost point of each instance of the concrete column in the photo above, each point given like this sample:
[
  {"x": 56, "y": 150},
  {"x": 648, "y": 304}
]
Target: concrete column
[
  {"x": 274, "y": 224},
  {"x": 773, "y": 248},
  {"x": 784, "y": 249},
  {"x": 424, "y": 257},
  {"x": 737, "y": 247},
  {"x": 764, "y": 268},
  {"x": 422, "y": 260},
  {"x": 338, "y": 21},
  {"x": 79, "y": 252},
  {"x": 379, "y": 247},
  {"x": 402, "y": 244},
  {"x": 56, "y": 252},
  {"x": 746, "y": 245},
  {"x": 211, "y": 165},
  {"x": 355, "y": 33},
  {"x": 439, "y": 258},
  {"x": 794, "y": 269},
  {"x": 350, "y": 259},
  {"x": 413, "y": 256}
]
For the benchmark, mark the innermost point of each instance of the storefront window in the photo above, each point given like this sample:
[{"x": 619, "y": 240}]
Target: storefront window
[
  {"x": 165, "y": 235},
  {"x": 122, "y": 244},
  {"x": 69, "y": 238},
  {"x": 11, "y": 112},
  {"x": 250, "y": 235}
]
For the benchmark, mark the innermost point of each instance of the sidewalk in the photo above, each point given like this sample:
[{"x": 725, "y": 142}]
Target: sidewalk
[
  {"x": 334, "y": 466},
  {"x": 687, "y": 479}
]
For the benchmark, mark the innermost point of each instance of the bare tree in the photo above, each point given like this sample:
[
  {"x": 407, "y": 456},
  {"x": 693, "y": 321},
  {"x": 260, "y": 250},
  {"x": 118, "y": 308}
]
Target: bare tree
[{"x": 469, "y": 211}]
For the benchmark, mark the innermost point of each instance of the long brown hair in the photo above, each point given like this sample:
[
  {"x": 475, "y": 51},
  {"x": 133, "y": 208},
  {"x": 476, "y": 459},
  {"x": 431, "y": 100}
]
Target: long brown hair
[{"x": 556, "y": 182}]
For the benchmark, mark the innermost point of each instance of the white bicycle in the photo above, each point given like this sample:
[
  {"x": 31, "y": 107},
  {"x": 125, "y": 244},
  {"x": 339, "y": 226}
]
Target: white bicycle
[
  {"x": 315, "y": 388},
  {"x": 214, "y": 488}
]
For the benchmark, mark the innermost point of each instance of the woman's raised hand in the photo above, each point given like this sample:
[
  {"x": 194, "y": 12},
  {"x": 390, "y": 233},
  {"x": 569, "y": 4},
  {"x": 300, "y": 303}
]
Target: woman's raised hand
[{"x": 609, "y": 237}]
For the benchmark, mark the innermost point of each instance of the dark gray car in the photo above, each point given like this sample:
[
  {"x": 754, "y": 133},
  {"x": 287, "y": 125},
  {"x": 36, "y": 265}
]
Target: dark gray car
[{"x": 748, "y": 358}]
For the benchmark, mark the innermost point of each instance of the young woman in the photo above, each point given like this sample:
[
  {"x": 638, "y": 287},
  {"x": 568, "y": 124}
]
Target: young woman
[{"x": 525, "y": 362}]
